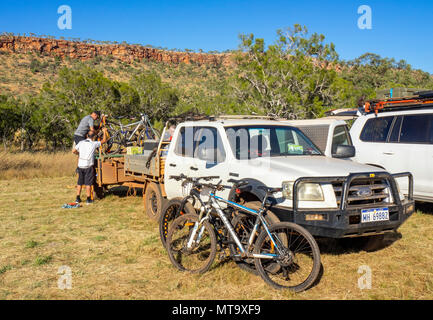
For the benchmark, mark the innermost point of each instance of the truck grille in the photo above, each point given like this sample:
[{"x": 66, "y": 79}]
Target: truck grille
[{"x": 364, "y": 191}]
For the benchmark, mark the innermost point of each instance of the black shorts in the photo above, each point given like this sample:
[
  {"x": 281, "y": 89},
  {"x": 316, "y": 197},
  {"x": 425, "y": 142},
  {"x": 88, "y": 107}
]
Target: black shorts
[
  {"x": 78, "y": 139},
  {"x": 86, "y": 176}
]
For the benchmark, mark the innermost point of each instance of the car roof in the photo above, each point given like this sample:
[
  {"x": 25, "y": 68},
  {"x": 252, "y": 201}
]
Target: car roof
[
  {"x": 399, "y": 112},
  {"x": 313, "y": 122},
  {"x": 236, "y": 122}
]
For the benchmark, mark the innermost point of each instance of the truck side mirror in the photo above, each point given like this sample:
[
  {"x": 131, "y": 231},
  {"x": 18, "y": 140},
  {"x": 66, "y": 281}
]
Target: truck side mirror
[{"x": 344, "y": 151}]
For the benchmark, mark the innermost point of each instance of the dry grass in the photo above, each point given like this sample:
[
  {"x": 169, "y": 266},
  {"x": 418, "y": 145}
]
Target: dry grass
[
  {"x": 114, "y": 252},
  {"x": 36, "y": 165}
]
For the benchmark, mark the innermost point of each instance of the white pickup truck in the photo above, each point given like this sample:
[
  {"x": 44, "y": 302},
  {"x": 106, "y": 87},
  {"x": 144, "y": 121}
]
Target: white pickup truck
[{"x": 330, "y": 197}]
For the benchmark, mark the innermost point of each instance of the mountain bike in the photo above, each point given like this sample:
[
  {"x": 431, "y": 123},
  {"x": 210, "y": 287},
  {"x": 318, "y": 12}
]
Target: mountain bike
[
  {"x": 242, "y": 223},
  {"x": 132, "y": 134},
  {"x": 285, "y": 255}
]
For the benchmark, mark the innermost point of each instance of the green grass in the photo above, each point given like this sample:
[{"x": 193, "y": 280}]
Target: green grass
[
  {"x": 31, "y": 243},
  {"x": 114, "y": 252},
  {"x": 39, "y": 261}
]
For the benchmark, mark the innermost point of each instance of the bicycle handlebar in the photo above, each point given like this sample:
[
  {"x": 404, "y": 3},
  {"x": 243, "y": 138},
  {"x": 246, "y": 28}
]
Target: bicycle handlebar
[
  {"x": 238, "y": 183},
  {"x": 193, "y": 179}
]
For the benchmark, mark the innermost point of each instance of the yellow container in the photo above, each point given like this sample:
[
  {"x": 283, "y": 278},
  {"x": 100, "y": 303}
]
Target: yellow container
[{"x": 134, "y": 150}]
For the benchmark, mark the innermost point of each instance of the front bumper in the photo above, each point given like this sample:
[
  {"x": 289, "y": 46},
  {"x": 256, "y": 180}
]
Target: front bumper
[{"x": 346, "y": 220}]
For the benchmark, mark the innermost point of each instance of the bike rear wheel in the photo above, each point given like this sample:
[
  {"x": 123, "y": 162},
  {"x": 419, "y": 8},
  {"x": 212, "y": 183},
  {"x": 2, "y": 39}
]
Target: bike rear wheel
[
  {"x": 171, "y": 211},
  {"x": 200, "y": 256},
  {"x": 299, "y": 261},
  {"x": 114, "y": 143}
]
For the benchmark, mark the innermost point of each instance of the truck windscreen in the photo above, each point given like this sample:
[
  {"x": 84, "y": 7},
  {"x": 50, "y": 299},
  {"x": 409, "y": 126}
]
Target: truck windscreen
[{"x": 248, "y": 142}]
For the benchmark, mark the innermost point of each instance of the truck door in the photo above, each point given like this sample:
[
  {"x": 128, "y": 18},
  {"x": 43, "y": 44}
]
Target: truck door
[
  {"x": 210, "y": 156},
  {"x": 179, "y": 160},
  {"x": 371, "y": 149},
  {"x": 410, "y": 149}
]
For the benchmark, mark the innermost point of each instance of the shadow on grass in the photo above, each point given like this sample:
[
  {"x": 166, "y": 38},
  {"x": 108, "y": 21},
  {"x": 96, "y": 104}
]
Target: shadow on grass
[
  {"x": 123, "y": 192},
  {"x": 424, "y": 207},
  {"x": 355, "y": 245},
  {"x": 226, "y": 259}
]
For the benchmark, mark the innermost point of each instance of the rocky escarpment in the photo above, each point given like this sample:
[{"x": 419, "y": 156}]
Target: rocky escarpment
[{"x": 123, "y": 52}]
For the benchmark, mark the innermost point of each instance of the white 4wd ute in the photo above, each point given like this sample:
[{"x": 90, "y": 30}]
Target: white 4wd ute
[
  {"x": 330, "y": 197},
  {"x": 397, "y": 134}
]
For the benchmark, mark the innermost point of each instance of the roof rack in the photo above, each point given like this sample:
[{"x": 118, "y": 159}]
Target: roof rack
[
  {"x": 242, "y": 116},
  {"x": 198, "y": 117},
  {"x": 420, "y": 99}
]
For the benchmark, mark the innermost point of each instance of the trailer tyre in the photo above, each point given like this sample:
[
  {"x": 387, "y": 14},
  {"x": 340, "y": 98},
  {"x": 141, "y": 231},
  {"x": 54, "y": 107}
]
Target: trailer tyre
[
  {"x": 153, "y": 201},
  {"x": 98, "y": 192}
]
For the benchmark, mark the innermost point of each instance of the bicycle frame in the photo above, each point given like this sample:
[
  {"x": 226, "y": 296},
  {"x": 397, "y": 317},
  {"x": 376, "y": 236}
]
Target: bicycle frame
[
  {"x": 144, "y": 121},
  {"x": 245, "y": 252}
]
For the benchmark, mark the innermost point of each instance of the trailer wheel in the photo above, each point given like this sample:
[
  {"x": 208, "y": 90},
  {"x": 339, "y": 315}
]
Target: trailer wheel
[
  {"x": 98, "y": 192},
  {"x": 153, "y": 201}
]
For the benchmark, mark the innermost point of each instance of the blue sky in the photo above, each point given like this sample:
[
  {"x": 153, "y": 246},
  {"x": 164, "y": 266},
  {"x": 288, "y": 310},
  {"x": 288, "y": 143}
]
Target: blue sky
[{"x": 400, "y": 29}]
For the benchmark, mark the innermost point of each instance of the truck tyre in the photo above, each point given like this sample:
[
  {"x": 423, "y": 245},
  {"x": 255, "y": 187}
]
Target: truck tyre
[
  {"x": 243, "y": 221},
  {"x": 153, "y": 201},
  {"x": 98, "y": 192}
]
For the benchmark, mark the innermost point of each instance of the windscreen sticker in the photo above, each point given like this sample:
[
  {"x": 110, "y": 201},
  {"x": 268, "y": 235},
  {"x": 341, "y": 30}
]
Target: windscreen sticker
[{"x": 295, "y": 149}]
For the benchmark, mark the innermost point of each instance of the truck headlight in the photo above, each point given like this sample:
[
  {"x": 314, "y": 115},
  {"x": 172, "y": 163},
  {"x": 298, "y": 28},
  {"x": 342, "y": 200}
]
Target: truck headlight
[{"x": 306, "y": 191}]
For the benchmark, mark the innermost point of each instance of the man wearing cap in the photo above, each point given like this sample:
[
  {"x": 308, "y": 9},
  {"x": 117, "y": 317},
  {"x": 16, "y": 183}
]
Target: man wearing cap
[{"x": 86, "y": 124}]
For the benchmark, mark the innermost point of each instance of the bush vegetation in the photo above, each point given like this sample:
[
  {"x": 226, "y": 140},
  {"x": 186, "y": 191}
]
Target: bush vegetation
[{"x": 299, "y": 76}]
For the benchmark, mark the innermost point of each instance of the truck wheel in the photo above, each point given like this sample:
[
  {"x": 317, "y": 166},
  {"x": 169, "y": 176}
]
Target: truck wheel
[
  {"x": 153, "y": 201},
  {"x": 243, "y": 225},
  {"x": 98, "y": 192}
]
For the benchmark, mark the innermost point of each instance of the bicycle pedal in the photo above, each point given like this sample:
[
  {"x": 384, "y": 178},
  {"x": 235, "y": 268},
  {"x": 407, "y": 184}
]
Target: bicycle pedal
[{"x": 222, "y": 256}]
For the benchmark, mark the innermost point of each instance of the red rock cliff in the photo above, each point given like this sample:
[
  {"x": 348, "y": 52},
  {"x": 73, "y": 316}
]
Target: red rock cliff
[{"x": 126, "y": 53}]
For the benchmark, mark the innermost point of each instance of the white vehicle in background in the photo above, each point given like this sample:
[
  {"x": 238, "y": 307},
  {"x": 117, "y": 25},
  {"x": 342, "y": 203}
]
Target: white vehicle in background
[
  {"x": 396, "y": 134},
  {"x": 331, "y": 135}
]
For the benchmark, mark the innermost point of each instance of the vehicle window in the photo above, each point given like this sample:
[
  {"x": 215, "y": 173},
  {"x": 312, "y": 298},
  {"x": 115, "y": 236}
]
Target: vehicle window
[
  {"x": 209, "y": 145},
  {"x": 376, "y": 129},
  {"x": 317, "y": 133},
  {"x": 416, "y": 128},
  {"x": 185, "y": 142},
  {"x": 341, "y": 137},
  {"x": 395, "y": 133},
  {"x": 248, "y": 142}
]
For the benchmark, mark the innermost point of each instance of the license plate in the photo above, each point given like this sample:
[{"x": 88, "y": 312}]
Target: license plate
[{"x": 373, "y": 215}]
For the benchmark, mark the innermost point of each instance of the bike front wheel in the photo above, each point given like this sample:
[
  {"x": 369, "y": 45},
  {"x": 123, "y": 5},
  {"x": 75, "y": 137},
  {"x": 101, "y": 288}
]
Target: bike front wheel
[
  {"x": 191, "y": 247},
  {"x": 298, "y": 256}
]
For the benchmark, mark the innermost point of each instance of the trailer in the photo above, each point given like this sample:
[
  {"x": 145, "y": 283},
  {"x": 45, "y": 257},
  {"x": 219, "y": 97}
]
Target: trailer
[{"x": 141, "y": 171}]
